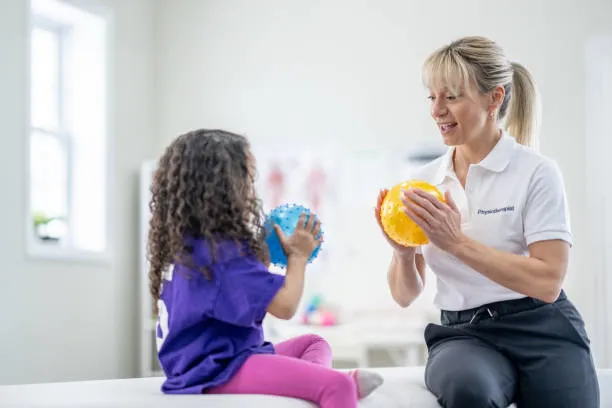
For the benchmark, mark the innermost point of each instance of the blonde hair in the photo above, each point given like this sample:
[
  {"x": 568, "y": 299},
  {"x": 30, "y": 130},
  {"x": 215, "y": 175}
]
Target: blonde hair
[{"x": 484, "y": 62}]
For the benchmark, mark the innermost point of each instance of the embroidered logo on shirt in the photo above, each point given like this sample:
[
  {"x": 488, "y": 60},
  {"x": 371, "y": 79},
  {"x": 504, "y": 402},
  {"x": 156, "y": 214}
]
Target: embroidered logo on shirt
[{"x": 496, "y": 210}]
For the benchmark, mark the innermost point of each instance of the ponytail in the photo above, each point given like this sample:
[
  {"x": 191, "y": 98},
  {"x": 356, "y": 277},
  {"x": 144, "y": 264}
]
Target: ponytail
[{"x": 522, "y": 120}]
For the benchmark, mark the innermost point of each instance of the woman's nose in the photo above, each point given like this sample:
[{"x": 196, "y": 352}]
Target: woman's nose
[{"x": 438, "y": 109}]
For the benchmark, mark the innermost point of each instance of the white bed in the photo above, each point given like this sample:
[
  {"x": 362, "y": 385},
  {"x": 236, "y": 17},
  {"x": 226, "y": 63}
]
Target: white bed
[{"x": 403, "y": 388}]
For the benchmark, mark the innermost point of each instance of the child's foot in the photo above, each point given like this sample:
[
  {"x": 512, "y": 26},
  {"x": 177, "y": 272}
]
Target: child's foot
[{"x": 366, "y": 382}]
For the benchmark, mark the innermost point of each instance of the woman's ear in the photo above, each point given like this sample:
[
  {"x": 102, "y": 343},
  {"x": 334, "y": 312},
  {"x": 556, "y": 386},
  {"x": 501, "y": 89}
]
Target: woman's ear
[{"x": 497, "y": 98}]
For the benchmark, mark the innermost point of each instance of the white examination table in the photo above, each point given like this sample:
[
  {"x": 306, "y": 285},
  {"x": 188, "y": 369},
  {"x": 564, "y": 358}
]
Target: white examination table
[{"x": 403, "y": 388}]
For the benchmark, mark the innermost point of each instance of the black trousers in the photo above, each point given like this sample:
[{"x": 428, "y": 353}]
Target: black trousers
[{"x": 525, "y": 351}]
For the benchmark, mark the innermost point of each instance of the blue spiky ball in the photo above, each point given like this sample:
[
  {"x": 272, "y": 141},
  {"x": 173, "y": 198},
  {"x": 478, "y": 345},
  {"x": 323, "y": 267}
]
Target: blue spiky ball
[{"x": 287, "y": 217}]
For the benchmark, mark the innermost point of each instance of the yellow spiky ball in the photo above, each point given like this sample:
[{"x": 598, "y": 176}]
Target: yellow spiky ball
[{"x": 397, "y": 225}]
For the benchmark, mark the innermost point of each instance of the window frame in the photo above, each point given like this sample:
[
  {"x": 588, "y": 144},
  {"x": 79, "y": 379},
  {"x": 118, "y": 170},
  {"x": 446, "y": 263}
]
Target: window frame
[{"x": 65, "y": 251}]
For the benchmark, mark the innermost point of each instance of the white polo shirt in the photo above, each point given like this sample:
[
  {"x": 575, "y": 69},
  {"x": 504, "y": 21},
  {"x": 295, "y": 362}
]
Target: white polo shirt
[{"x": 512, "y": 198}]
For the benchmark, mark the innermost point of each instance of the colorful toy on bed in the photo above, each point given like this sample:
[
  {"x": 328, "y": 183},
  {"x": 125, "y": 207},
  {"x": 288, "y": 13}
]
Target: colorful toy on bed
[{"x": 317, "y": 314}]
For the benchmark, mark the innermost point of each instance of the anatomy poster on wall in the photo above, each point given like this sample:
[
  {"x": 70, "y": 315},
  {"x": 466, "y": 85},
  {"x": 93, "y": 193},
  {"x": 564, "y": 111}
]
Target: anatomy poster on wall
[
  {"x": 308, "y": 178},
  {"x": 296, "y": 176}
]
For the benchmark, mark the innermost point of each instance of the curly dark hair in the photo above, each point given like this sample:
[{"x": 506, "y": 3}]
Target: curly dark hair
[{"x": 203, "y": 188}]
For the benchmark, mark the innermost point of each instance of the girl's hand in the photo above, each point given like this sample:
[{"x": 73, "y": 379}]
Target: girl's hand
[
  {"x": 440, "y": 221},
  {"x": 303, "y": 241},
  {"x": 397, "y": 247}
]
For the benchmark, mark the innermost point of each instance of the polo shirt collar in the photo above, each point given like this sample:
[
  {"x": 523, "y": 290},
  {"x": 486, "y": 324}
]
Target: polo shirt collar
[{"x": 496, "y": 161}]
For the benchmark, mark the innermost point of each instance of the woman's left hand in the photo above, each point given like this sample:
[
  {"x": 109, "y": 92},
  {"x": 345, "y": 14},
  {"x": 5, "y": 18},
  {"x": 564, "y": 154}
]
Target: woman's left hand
[{"x": 440, "y": 221}]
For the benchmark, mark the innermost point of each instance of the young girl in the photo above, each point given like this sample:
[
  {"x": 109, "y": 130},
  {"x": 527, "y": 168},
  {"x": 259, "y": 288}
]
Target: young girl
[{"x": 212, "y": 287}]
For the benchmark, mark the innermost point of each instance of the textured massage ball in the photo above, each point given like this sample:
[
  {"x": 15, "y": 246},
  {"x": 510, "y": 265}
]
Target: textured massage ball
[
  {"x": 397, "y": 225},
  {"x": 287, "y": 217}
]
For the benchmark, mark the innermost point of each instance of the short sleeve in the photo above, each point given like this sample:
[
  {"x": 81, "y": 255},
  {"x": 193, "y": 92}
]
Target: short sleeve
[
  {"x": 186, "y": 298},
  {"x": 247, "y": 288},
  {"x": 546, "y": 213}
]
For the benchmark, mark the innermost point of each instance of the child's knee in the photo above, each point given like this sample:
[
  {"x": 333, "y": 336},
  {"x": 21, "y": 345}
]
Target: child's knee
[{"x": 315, "y": 339}]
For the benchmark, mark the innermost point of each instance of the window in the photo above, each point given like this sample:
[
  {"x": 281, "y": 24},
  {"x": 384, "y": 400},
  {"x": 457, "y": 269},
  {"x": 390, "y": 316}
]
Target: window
[{"x": 67, "y": 157}]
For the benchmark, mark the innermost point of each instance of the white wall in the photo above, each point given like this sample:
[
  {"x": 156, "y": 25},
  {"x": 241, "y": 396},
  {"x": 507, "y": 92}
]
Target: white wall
[
  {"x": 64, "y": 321},
  {"x": 315, "y": 70},
  {"x": 311, "y": 71}
]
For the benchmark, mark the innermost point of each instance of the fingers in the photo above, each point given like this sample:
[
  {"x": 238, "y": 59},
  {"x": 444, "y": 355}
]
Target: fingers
[
  {"x": 317, "y": 234},
  {"x": 281, "y": 235},
  {"x": 419, "y": 205},
  {"x": 301, "y": 221},
  {"x": 381, "y": 196},
  {"x": 377, "y": 216},
  {"x": 310, "y": 224},
  {"x": 316, "y": 229},
  {"x": 411, "y": 201},
  {"x": 319, "y": 240},
  {"x": 426, "y": 198},
  {"x": 450, "y": 202},
  {"x": 418, "y": 215},
  {"x": 313, "y": 225},
  {"x": 418, "y": 209},
  {"x": 307, "y": 225}
]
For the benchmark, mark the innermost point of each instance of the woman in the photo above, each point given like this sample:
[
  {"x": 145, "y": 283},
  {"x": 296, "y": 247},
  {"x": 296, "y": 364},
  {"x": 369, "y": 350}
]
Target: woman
[{"x": 498, "y": 245}]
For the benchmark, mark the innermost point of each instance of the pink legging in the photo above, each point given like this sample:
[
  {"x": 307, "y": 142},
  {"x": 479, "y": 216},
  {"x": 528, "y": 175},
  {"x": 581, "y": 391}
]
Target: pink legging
[{"x": 301, "y": 368}]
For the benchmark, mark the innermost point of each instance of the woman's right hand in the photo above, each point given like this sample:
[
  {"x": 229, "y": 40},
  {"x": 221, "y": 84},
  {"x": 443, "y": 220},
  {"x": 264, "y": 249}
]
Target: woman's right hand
[
  {"x": 400, "y": 249},
  {"x": 303, "y": 241}
]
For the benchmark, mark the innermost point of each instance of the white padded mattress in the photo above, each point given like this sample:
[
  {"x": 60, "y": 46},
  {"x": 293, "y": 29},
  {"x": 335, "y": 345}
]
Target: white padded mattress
[{"x": 403, "y": 388}]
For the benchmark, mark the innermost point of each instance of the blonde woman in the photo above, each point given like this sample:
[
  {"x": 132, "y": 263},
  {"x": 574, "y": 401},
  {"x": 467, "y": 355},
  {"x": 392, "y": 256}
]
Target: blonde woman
[{"x": 499, "y": 246}]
